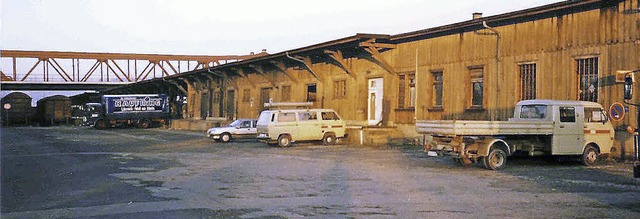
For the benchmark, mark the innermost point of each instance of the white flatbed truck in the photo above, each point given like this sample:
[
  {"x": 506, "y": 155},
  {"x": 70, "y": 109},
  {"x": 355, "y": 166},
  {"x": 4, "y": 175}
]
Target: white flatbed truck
[{"x": 538, "y": 128}]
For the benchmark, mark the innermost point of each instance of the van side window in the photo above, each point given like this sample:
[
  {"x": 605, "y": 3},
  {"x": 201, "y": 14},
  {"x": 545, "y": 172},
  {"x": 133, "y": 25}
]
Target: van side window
[
  {"x": 567, "y": 114},
  {"x": 594, "y": 115},
  {"x": 330, "y": 116},
  {"x": 286, "y": 117},
  {"x": 305, "y": 116}
]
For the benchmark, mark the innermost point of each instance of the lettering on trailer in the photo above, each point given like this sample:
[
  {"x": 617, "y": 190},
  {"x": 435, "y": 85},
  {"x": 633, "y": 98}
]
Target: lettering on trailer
[{"x": 129, "y": 104}]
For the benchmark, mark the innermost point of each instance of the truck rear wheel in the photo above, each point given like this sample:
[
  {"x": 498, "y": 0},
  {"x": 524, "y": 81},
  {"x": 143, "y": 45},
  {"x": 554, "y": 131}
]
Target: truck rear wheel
[
  {"x": 496, "y": 160},
  {"x": 144, "y": 124},
  {"x": 590, "y": 156}
]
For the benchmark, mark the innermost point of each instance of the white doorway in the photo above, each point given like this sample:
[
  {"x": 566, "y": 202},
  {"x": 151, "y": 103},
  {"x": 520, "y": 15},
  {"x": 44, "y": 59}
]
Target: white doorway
[{"x": 374, "y": 112}]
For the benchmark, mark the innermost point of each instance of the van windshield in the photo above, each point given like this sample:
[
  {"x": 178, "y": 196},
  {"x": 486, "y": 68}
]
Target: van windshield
[{"x": 265, "y": 118}]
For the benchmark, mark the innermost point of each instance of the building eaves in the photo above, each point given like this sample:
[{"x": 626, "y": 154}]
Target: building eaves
[
  {"x": 526, "y": 15},
  {"x": 316, "y": 48}
]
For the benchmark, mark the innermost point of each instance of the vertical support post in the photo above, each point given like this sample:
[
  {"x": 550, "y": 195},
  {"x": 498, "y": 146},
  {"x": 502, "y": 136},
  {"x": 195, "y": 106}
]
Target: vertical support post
[
  {"x": 15, "y": 70},
  {"x": 637, "y": 135},
  {"x": 101, "y": 72}
]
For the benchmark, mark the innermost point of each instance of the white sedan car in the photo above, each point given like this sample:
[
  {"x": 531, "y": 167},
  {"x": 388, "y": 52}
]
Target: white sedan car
[{"x": 241, "y": 128}]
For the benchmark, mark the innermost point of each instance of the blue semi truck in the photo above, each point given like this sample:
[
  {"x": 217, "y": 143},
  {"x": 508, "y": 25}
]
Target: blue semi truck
[{"x": 137, "y": 110}]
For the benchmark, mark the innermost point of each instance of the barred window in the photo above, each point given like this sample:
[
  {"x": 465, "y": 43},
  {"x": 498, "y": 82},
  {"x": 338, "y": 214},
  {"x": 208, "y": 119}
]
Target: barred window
[
  {"x": 286, "y": 93},
  {"x": 246, "y": 95},
  {"x": 437, "y": 88},
  {"x": 528, "y": 81},
  {"x": 477, "y": 87},
  {"x": 401, "y": 87},
  {"x": 216, "y": 97},
  {"x": 406, "y": 84},
  {"x": 339, "y": 89},
  {"x": 412, "y": 90},
  {"x": 587, "y": 70}
]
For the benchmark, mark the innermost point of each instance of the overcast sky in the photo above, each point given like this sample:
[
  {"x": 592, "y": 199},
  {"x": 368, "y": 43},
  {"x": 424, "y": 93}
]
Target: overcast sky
[{"x": 214, "y": 27}]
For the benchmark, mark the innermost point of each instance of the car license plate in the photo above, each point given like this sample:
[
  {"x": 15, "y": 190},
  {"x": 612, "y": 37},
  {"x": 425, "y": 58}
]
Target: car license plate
[{"x": 432, "y": 154}]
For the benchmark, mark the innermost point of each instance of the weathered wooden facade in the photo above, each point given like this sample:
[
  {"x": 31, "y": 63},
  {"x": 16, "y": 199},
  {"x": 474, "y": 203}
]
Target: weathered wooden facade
[{"x": 477, "y": 69}]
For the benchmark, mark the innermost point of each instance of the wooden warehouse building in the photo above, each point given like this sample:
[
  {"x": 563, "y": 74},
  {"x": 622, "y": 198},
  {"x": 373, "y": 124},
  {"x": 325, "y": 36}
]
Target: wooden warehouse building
[{"x": 476, "y": 69}]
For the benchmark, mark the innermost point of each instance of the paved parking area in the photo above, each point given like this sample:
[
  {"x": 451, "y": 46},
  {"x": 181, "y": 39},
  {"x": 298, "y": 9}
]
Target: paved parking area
[{"x": 130, "y": 173}]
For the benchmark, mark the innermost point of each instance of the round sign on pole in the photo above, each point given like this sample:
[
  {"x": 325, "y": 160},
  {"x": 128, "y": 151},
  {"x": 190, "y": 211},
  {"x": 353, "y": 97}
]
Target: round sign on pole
[
  {"x": 616, "y": 111},
  {"x": 7, "y": 106}
]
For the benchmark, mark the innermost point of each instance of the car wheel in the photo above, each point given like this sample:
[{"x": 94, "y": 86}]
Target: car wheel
[
  {"x": 225, "y": 137},
  {"x": 284, "y": 140},
  {"x": 496, "y": 160},
  {"x": 329, "y": 139},
  {"x": 590, "y": 156}
]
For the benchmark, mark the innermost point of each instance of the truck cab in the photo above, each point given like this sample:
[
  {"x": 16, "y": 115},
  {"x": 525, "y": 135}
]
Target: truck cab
[
  {"x": 538, "y": 128},
  {"x": 91, "y": 113},
  {"x": 577, "y": 125}
]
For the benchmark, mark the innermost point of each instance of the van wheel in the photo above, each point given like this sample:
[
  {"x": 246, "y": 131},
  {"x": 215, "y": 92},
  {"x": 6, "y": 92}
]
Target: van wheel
[
  {"x": 496, "y": 160},
  {"x": 225, "y": 137},
  {"x": 589, "y": 156},
  {"x": 284, "y": 141},
  {"x": 329, "y": 139}
]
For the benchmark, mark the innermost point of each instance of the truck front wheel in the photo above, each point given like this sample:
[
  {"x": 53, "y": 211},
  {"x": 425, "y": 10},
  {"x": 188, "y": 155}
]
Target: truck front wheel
[
  {"x": 496, "y": 160},
  {"x": 100, "y": 124},
  {"x": 590, "y": 156}
]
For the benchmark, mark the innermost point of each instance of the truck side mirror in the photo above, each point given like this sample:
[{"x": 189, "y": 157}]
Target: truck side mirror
[{"x": 628, "y": 88}]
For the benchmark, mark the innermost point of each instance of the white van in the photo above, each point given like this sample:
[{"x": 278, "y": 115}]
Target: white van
[{"x": 287, "y": 126}]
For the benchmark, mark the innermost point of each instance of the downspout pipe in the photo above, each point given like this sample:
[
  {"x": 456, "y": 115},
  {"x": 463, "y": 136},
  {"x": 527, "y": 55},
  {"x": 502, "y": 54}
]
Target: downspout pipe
[
  {"x": 497, "y": 34},
  {"x": 305, "y": 64}
]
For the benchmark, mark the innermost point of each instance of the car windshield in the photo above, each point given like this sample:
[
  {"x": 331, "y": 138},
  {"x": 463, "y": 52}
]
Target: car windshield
[
  {"x": 235, "y": 123},
  {"x": 264, "y": 119}
]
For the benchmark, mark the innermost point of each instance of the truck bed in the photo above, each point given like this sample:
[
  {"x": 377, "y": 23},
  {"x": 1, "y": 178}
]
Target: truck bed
[{"x": 484, "y": 128}]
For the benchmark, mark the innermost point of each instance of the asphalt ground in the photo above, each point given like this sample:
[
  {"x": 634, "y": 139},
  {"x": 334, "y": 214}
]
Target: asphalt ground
[{"x": 78, "y": 172}]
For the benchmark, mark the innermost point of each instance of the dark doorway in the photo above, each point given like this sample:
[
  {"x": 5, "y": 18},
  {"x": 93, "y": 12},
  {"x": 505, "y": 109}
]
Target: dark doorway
[
  {"x": 265, "y": 96},
  {"x": 205, "y": 104},
  {"x": 311, "y": 92},
  {"x": 231, "y": 104}
]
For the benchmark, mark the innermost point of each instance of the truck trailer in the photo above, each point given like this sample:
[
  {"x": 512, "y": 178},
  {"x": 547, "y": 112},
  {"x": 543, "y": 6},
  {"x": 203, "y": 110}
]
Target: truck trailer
[
  {"x": 139, "y": 110},
  {"x": 538, "y": 128}
]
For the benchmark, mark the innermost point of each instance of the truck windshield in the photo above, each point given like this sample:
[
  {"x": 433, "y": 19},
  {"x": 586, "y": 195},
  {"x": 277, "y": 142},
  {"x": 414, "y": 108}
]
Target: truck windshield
[
  {"x": 533, "y": 112},
  {"x": 594, "y": 115}
]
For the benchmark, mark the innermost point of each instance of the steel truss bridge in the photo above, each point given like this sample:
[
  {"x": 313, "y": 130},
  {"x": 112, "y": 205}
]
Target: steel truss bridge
[{"x": 50, "y": 70}]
